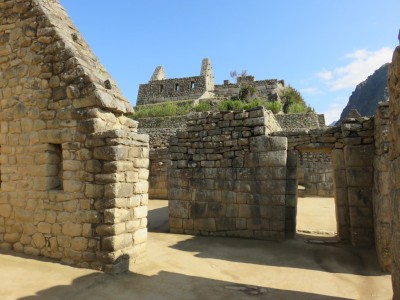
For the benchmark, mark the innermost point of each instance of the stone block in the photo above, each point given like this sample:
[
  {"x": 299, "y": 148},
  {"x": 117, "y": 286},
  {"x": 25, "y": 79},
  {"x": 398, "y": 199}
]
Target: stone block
[
  {"x": 249, "y": 211},
  {"x": 272, "y": 159},
  {"x": 207, "y": 224},
  {"x": 72, "y": 229},
  {"x": 360, "y": 196},
  {"x": 79, "y": 244},
  {"x": 272, "y": 212},
  {"x": 117, "y": 242},
  {"x": 338, "y": 162},
  {"x": 116, "y": 215},
  {"x": 118, "y": 190},
  {"x": 341, "y": 197},
  {"x": 140, "y": 236},
  {"x": 38, "y": 240},
  {"x": 177, "y": 223},
  {"x": 178, "y": 209},
  {"x": 359, "y": 155},
  {"x": 340, "y": 179},
  {"x": 361, "y": 217},
  {"x": 359, "y": 176},
  {"x": 22, "y": 215},
  {"x": 5, "y": 210},
  {"x": 140, "y": 212},
  {"x": 88, "y": 216},
  {"x": 184, "y": 194},
  {"x": 44, "y": 227},
  {"x": 111, "y": 153}
]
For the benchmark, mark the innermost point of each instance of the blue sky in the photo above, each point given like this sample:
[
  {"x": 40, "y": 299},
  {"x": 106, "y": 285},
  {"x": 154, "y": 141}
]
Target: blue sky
[{"x": 323, "y": 48}]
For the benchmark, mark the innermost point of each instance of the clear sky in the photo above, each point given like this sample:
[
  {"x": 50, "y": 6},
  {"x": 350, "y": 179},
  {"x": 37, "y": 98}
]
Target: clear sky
[{"x": 323, "y": 48}]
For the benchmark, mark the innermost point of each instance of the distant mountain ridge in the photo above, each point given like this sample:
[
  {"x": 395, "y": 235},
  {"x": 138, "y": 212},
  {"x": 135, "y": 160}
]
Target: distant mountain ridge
[{"x": 368, "y": 93}]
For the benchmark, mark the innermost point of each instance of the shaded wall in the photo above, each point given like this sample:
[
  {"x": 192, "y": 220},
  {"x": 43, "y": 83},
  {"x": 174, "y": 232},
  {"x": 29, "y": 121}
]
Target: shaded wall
[
  {"x": 229, "y": 178},
  {"x": 381, "y": 191},
  {"x": 394, "y": 121}
]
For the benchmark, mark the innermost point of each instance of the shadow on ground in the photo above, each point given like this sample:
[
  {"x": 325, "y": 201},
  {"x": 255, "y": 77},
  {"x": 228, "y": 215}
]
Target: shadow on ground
[
  {"x": 296, "y": 253},
  {"x": 164, "y": 285}
]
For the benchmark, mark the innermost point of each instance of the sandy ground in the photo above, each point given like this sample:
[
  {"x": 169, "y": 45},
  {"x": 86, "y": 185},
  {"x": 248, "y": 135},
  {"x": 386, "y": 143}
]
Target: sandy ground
[{"x": 189, "y": 267}]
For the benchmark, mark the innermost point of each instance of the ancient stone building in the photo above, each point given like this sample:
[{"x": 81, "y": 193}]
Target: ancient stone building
[
  {"x": 160, "y": 89},
  {"x": 73, "y": 168}
]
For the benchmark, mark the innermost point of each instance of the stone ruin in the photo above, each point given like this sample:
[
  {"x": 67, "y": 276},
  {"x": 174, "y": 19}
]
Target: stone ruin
[
  {"x": 74, "y": 170},
  {"x": 160, "y": 89}
]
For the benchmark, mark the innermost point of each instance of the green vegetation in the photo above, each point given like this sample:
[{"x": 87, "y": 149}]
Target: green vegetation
[
  {"x": 161, "y": 110},
  {"x": 247, "y": 92},
  {"x": 274, "y": 106},
  {"x": 202, "y": 106},
  {"x": 294, "y": 102}
]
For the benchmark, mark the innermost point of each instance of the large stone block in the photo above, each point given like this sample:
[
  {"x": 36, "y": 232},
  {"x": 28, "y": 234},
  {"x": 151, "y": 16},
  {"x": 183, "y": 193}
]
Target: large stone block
[
  {"x": 359, "y": 155},
  {"x": 272, "y": 158},
  {"x": 118, "y": 190},
  {"x": 117, "y": 242},
  {"x": 111, "y": 153},
  {"x": 360, "y": 196},
  {"x": 265, "y": 143},
  {"x": 179, "y": 209},
  {"x": 205, "y": 224},
  {"x": 359, "y": 176}
]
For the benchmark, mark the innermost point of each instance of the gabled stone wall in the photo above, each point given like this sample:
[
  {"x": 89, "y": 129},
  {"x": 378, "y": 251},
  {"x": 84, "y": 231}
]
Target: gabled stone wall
[{"x": 73, "y": 169}]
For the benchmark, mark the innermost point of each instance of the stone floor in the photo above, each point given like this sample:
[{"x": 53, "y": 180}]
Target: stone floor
[{"x": 188, "y": 267}]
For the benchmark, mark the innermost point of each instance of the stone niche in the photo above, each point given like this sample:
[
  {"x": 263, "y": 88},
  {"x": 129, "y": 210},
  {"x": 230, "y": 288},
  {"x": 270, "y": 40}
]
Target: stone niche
[
  {"x": 228, "y": 177},
  {"x": 73, "y": 168}
]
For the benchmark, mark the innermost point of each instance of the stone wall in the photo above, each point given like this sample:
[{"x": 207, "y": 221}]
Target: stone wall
[
  {"x": 290, "y": 122},
  {"x": 317, "y": 174},
  {"x": 73, "y": 169},
  {"x": 266, "y": 89},
  {"x": 394, "y": 171},
  {"x": 381, "y": 191},
  {"x": 159, "y": 89},
  {"x": 173, "y": 89},
  {"x": 229, "y": 178},
  {"x": 160, "y": 131}
]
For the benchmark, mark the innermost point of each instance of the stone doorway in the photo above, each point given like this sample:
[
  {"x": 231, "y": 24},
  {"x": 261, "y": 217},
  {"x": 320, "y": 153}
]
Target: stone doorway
[{"x": 316, "y": 209}]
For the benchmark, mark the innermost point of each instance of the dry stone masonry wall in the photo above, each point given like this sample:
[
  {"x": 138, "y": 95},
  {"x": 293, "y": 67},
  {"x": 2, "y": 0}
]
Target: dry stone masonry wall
[
  {"x": 381, "y": 190},
  {"x": 160, "y": 89},
  {"x": 160, "y": 131},
  {"x": 73, "y": 168},
  {"x": 229, "y": 178},
  {"x": 394, "y": 121}
]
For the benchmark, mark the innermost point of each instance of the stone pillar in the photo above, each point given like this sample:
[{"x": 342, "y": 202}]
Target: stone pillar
[
  {"x": 358, "y": 159},
  {"x": 120, "y": 167},
  {"x": 341, "y": 195},
  {"x": 291, "y": 194},
  {"x": 394, "y": 121},
  {"x": 381, "y": 190}
]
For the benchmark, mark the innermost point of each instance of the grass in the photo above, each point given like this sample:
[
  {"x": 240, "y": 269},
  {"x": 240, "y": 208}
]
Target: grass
[{"x": 171, "y": 109}]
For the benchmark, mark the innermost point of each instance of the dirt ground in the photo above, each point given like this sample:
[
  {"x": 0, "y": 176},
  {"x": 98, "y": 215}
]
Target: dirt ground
[{"x": 312, "y": 266}]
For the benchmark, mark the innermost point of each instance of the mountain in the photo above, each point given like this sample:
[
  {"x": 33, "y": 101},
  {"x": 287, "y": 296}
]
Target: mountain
[{"x": 368, "y": 93}]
